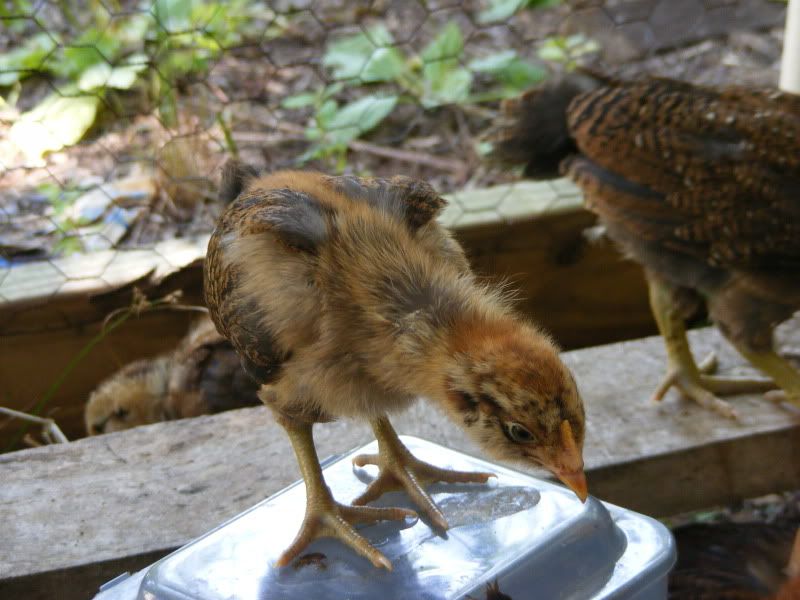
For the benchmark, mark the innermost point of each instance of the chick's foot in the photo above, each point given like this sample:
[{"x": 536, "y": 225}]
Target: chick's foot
[
  {"x": 327, "y": 518},
  {"x": 401, "y": 470},
  {"x": 324, "y": 516}
]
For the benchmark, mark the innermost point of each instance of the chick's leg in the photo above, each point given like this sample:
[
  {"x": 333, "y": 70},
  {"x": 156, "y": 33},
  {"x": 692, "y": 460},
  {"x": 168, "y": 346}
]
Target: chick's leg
[
  {"x": 400, "y": 470},
  {"x": 324, "y": 516},
  {"x": 683, "y": 372}
]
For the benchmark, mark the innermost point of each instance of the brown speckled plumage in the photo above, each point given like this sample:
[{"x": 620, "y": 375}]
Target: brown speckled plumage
[
  {"x": 699, "y": 185},
  {"x": 345, "y": 298}
]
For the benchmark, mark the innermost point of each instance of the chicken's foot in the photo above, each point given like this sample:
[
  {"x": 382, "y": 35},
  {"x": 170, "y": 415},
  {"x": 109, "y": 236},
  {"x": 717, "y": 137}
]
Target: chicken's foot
[
  {"x": 695, "y": 383},
  {"x": 400, "y": 470},
  {"x": 324, "y": 516}
]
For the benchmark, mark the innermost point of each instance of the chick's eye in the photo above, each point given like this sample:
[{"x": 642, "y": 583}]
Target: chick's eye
[
  {"x": 121, "y": 413},
  {"x": 517, "y": 433}
]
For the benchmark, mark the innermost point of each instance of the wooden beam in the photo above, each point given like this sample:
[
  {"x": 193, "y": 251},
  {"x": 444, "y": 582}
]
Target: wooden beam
[{"x": 85, "y": 511}]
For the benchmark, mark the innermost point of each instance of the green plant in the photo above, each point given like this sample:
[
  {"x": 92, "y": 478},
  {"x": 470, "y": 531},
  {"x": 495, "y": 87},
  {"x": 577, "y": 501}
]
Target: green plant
[
  {"x": 435, "y": 77},
  {"x": 567, "y": 50},
  {"x": 170, "y": 39},
  {"x": 500, "y": 10}
]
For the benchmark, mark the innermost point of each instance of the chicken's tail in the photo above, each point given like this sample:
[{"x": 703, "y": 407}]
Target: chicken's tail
[{"x": 532, "y": 129}]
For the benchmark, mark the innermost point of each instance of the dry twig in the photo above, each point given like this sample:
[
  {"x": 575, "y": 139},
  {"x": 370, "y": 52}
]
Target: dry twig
[{"x": 50, "y": 431}]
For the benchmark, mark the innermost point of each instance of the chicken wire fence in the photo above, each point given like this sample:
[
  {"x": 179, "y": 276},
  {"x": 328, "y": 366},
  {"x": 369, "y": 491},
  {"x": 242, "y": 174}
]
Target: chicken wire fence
[{"x": 117, "y": 115}]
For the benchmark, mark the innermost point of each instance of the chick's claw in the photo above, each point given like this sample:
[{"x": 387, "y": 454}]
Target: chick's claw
[
  {"x": 331, "y": 519},
  {"x": 404, "y": 472}
]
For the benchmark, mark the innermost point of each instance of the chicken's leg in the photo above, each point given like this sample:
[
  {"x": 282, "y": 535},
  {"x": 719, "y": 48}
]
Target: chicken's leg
[
  {"x": 683, "y": 372},
  {"x": 781, "y": 371},
  {"x": 400, "y": 470},
  {"x": 324, "y": 516}
]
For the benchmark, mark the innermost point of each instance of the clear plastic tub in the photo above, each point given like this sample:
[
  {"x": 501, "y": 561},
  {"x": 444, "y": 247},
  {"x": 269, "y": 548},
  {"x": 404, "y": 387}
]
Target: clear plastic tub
[{"x": 534, "y": 538}]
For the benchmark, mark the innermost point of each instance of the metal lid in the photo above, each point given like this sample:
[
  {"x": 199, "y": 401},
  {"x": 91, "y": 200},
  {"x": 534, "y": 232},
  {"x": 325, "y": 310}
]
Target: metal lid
[{"x": 534, "y": 537}]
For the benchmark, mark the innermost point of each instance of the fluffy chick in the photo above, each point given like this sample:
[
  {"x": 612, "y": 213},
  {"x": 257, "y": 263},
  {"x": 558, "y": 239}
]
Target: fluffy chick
[
  {"x": 134, "y": 395},
  {"x": 345, "y": 298},
  {"x": 202, "y": 375},
  {"x": 700, "y": 186}
]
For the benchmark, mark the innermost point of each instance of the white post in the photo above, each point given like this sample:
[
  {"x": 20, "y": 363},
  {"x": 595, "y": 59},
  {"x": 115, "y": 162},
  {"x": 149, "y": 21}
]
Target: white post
[{"x": 790, "y": 65}]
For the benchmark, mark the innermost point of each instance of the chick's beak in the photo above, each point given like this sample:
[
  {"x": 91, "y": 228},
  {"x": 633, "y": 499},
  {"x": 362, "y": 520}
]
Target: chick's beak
[
  {"x": 575, "y": 481},
  {"x": 569, "y": 463}
]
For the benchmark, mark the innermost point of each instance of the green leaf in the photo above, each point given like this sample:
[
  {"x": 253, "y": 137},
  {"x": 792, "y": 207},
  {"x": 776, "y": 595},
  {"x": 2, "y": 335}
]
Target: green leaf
[
  {"x": 173, "y": 15},
  {"x": 367, "y": 55},
  {"x": 94, "y": 77},
  {"x": 90, "y": 48},
  {"x": 446, "y": 46},
  {"x": 445, "y": 86},
  {"x": 124, "y": 76},
  {"x": 299, "y": 101},
  {"x": 102, "y": 75},
  {"x": 28, "y": 57},
  {"x": 385, "y": 64},
  {"x": 494, "y": 62},
  {"x": 510, "y": 70},
  {"x": 445, "y": 81},
  {"x": 326, "y": 112},
  {"x": 56, "y": 122},
  {"x": 566, "y": 49},
  {"x": 332, "y": 90},
  {"x": 354, "y": 119},
  {"x": 500, "y": 10}
]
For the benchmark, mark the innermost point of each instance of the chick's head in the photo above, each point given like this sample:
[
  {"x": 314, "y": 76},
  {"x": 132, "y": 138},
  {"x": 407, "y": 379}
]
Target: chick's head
[
  {"x": 519, "y": 401},
  {"x": 133, "y": 396}
]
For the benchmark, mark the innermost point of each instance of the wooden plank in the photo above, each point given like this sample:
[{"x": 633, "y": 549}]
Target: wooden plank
[{"x": 66, "y": 511}]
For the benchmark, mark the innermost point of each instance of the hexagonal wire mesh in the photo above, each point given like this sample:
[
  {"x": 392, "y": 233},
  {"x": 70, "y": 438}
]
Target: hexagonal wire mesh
[{"x": 116, "y": 115}]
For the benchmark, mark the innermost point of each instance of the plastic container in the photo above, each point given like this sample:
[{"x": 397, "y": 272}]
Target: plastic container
[{"x": 533, "y": 537}]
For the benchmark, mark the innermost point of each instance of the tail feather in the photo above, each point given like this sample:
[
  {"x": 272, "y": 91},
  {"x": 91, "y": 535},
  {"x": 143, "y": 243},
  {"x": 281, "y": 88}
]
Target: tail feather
[{"x": 533, "y": 127}]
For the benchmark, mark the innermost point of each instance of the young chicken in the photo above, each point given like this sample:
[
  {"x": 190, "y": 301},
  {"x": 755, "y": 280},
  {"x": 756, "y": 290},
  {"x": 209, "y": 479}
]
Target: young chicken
[
  {"x": 345, "y": 298},
  {"x": 699, "y": 185},
  {"x": 201, "y": 376}
]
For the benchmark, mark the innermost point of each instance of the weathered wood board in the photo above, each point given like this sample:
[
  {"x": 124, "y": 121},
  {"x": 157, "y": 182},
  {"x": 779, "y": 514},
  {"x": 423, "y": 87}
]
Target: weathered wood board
[
  {"x": 76, "y": 515},
  {"x": 528, "y": 233}
]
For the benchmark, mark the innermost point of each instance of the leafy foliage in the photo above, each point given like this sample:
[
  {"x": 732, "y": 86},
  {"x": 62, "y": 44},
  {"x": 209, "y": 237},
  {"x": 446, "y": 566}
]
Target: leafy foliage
[
  {"x": 567, "y": 50},
  {"x": 500, "y": 10},
  {"x": 174, "y": 38},
  {"x": 436, "y": 77}
]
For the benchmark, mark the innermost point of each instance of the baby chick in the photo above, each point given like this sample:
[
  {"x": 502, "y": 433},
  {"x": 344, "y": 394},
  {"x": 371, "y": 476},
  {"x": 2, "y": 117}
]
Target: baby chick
[
  {"x": 201, "y": 376},
  {"x": 134, "y": 395},
  {"x": 345, "y": 298}
]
